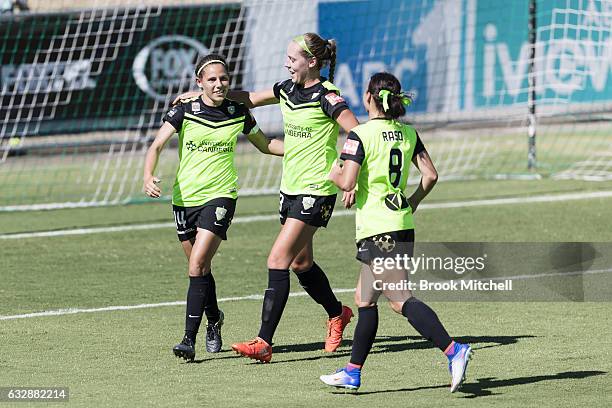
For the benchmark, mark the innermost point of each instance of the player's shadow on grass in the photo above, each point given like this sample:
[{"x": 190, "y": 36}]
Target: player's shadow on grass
[
  {"x": 484, "y": 386},
  {"x": 393, "y": 344}
]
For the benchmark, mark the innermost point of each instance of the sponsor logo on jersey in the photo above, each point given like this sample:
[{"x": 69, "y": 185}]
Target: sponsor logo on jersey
[
  {"x": 231, "y": 109},
  {"x": 195, "y": 107},
  {"x": 220, "y": 213},
  {"x": 315, "y": 95},
  {"x": 350, "y": 147},
  {"x": 206, "y": 146},
  {"x": 334, "y": 99},
  {"x": 308, "y": 202}
]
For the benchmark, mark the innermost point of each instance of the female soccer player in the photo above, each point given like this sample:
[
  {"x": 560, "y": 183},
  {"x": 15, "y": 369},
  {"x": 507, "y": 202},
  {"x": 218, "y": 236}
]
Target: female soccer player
[
  {"x": 205, "y": 190},
  {"x": 377, "y": 158},
  {"x": 313, "y": 111}
]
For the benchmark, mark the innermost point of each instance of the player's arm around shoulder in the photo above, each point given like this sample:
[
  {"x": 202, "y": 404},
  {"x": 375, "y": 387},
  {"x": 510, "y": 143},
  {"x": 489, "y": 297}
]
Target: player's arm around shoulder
[{"x": 253, "y": 99}]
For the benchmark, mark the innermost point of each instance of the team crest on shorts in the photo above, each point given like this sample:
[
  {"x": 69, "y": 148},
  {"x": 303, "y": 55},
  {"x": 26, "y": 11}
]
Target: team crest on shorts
[
  {"x": 220, "y": 213},
  {"x": 231, "y": 109},
  {"x": 308, "y": 202},
  {"x": 385, "y": 243},
  {"x": 326, "y": 212}
]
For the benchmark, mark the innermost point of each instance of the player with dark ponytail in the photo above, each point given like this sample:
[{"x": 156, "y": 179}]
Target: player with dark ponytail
[{"x": 377, "y": 158}]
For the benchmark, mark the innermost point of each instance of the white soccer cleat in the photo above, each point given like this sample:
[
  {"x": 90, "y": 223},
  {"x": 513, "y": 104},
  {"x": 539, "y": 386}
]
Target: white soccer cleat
[
  {"x": 343, "y": 379},
  {"x": 458, "y": 365}
]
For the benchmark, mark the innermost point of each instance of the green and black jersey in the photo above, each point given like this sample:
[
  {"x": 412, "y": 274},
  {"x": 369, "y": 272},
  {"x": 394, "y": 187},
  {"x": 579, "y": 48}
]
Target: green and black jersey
[
  {"x": 207, "y": 141},
  {"x": 311, "y": 135},
  {"x": 384, "y": 149}
]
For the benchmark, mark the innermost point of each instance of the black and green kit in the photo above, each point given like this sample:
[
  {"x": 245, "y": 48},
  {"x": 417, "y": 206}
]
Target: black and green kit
[
  {"x": 384, "y": 149},
  {"x": 311, "y": 135},
  {"x": 207, "y": 143}
]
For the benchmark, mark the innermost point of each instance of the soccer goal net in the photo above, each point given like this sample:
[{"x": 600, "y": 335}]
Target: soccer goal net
[{"x": 500, "y": 89}]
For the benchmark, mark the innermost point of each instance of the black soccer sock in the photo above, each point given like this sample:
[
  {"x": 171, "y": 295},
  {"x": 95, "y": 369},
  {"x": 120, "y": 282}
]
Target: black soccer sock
[
  {"x": 211, "y": 309},
  {"x": 316, "y": 284},
  {"x": 365, "y": 333},
  {"x": 426, "y": 322},
  {"x": 274, "y": 302},
  {"x": 196, "y": 299}
]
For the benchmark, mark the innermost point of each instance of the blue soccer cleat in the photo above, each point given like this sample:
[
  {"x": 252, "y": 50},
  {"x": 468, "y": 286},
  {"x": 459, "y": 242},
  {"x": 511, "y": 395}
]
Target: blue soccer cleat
[
  {"x": 457, "y": 364},
  {"x": 343, "y": 379}
]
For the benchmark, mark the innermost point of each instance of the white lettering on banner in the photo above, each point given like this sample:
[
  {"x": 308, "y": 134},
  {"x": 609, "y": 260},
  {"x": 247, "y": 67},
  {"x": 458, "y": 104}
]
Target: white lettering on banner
[
  {"x": 370, "y": 68},
  {"x": 344, "y": 80},
  {"x": 564, "y": 65},
  {"x": 47, "y": 77},
  {"x": 169, "y": 61}
]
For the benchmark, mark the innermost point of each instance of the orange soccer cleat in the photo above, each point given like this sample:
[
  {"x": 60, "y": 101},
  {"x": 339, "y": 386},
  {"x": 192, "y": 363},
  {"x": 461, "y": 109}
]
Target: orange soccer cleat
[
  {"x": 257, "y": 349},
  {"x": 335, "y": 327}
]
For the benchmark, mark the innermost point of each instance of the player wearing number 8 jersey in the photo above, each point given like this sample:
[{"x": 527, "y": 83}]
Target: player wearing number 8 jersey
[{"x": 377, "y": 158}]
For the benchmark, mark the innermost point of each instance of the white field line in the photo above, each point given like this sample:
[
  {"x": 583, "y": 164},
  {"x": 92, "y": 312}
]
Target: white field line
[
  {"x": 62, "y": 312},
  {"x": 270, "y": 217}
]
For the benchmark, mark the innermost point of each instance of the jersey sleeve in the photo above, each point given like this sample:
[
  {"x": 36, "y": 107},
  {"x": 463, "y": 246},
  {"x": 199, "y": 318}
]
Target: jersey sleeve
[
  {"x": 353, "y": 149},
  {"x": 333, "y": 104},
  {"x": 250, "y": 125},
  {"x": 277, "y": 88},
  {"x": 418, "y": 147},
  {"x": 175, "y": 117}
]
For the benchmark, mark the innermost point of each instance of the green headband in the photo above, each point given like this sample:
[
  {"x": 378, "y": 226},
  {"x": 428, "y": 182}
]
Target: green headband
[
  {"x": 384, "y": 95},
  {"x": 302, "y": 43}
]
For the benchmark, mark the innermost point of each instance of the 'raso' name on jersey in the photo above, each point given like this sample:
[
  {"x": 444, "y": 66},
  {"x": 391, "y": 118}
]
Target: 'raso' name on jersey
[
  {"x": 311, "y": 135},
  {"x": 207, "y": 141},
  {"x": 384, "y": 149}
]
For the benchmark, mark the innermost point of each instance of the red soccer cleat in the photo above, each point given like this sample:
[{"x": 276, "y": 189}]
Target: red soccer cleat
[
  {"x": 335, "y": 327},
  {"x": 257, "y": 349}
]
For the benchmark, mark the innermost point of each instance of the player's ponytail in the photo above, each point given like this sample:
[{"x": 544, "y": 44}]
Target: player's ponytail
[
  {"x": 388, "y": 96},
  {"x": 323, "y": 50},
  {"x": 331, "y": 47}
]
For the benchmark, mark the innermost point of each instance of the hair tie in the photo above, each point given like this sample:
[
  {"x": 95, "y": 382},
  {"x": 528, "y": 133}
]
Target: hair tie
[
  {"x": 384, "y": 95},
  {"x": 406, "y": 98}
]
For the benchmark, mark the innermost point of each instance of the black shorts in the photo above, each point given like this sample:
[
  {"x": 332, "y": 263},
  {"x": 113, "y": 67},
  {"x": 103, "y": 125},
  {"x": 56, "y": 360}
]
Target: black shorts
[
  {"x": 214, "y": 216},
  {"x": 311, "y": 209},
  {"x": 385, "y": 245}
]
